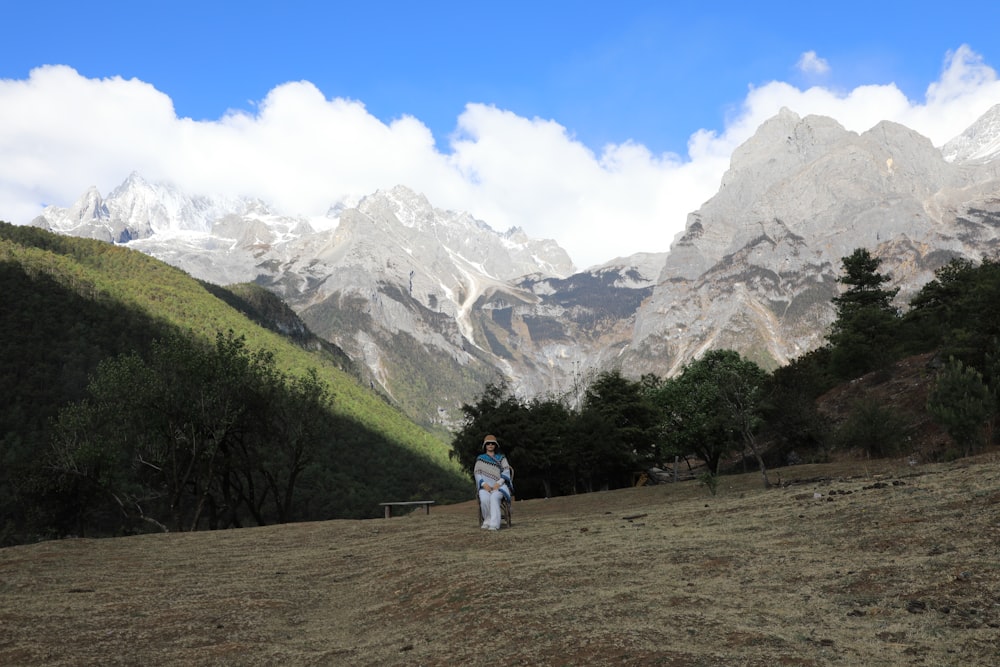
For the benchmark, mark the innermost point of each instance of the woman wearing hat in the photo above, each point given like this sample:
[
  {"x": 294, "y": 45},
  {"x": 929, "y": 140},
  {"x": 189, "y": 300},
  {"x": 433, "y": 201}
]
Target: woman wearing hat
[{"x": 493, "y": 477}]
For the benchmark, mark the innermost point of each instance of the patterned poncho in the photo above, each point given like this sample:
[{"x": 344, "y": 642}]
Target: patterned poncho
[{"x": 491, "y": 469}]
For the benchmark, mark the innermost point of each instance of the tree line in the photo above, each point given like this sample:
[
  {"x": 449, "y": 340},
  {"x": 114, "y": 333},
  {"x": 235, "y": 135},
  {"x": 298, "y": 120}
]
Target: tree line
[
  {"x": 117, "y": 421},
  {"x": 728, "y": 413}
]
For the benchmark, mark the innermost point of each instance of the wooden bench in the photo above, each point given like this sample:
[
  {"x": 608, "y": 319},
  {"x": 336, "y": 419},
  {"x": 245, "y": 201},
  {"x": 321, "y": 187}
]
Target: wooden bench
[{"x": 388, "y": 506}]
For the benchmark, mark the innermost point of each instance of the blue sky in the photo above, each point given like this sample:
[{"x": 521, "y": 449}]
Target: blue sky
[{"x": 476, "y": 105}]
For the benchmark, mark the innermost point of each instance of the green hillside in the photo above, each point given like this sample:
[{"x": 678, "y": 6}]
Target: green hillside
[{"x": 68, "y": 304}]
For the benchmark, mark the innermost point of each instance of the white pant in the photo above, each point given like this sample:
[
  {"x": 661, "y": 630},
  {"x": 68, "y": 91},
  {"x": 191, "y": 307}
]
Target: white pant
[{"x": 489, "y": 505}]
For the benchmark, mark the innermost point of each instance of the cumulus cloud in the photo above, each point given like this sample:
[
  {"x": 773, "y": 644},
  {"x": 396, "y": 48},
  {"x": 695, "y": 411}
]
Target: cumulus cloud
[
  {"x": 61, "y": 133},
  {"x": 966, "y": 89},
  {"x": 810, "y": 63}
]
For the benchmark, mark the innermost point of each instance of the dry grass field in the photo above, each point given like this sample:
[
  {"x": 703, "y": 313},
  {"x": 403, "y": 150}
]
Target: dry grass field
[{"x": 856, "y": 564}]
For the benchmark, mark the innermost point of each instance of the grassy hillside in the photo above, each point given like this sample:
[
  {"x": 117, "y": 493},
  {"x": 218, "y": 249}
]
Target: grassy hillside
[
  {"x": 873, "y": 563},
  {"x": 67, "y": 303}
]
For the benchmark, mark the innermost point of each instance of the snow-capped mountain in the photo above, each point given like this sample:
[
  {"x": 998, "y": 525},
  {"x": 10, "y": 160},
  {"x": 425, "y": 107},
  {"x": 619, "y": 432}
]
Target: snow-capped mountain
[
  {"x": 979, "y": 143},
  {"x": 137, "y": 209},
  {"x": 393, "y": 281},
  {"x": 434, "y": 304}
]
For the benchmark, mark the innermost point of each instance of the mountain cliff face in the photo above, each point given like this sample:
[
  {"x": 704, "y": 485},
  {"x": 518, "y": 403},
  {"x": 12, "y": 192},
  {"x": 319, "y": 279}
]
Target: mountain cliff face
[
  {"x": 433, "y": 304},
  {"x": 979, "y": 143},
  {"x": 757, "y": 265},
  {"x": 430, "y": 304},
  {"x": 436, "y": 304}
]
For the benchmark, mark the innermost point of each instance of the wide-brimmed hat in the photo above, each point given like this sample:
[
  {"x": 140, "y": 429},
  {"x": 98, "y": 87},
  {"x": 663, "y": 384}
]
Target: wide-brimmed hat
[{"x": 490, "y": 438}]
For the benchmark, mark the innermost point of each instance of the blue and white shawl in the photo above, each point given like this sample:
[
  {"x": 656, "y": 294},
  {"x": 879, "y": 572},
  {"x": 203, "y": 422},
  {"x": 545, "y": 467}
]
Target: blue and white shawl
[{"x": 492, "y": 469}]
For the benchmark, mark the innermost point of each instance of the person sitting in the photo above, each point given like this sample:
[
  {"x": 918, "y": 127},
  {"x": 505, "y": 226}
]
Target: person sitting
[{"x": 493, "y": 479}]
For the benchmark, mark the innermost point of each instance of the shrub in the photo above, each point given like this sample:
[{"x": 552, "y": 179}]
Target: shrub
[
  {"x": 962, "y": 403},
  {"x": 872, "y": 428}
]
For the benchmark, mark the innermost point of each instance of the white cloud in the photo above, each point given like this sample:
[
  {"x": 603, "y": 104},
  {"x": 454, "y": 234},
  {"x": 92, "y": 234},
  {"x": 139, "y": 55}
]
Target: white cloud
[
  {"x": 810, "y": 63},
  {"x": 60, "y": 133},
  {"x": 966, "y": 89}
]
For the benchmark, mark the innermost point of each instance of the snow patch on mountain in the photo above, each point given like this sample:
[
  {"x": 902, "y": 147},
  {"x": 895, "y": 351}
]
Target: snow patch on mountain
[
  {"x": 980, "y": 142},
  {"x": 412, "y": 291}
]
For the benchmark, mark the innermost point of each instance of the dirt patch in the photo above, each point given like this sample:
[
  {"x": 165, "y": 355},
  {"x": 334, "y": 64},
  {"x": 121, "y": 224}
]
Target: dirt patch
[{"x": 847, "y": 564}]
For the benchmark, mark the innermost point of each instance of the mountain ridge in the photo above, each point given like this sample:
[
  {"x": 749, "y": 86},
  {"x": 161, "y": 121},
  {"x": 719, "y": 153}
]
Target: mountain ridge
[
  {"x": 433, "y": 304},
  {"x": 771, "y": 241}
]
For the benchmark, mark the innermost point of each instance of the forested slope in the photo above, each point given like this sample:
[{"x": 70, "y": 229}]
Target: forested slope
[{"x": 69, "y": 304}]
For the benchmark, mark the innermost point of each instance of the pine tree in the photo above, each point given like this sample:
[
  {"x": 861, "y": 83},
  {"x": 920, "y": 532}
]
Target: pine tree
[
  {"x": 962, "y": 403},
  {"x": 862, "y": 337}
]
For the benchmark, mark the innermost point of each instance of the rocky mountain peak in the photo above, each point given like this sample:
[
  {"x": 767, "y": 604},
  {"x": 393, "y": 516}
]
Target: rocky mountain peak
[
  {"x": 433, "y": 303},
  {"x": 811, "y": 178},
  {"x": 89, "y": 207},
  {"x": 979, "y": 143},
  {"x": 138, "y": 209},
  {"x": 781, "y": 145},
  {"x": 407, "y": 207},
  {"x": 757, "y": 265}
]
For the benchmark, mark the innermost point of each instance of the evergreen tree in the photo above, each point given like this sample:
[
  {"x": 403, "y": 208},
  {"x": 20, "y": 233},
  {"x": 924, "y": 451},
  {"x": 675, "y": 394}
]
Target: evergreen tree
[
  {"x": 794, "y": 427},
  {"x": 863, "y": 336},
  {"x": 627, "y": 422},
  {"x": 962, "y": 403},
  {"x": 874, "y": 428},
  {"x": 956, "y": 312}
]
